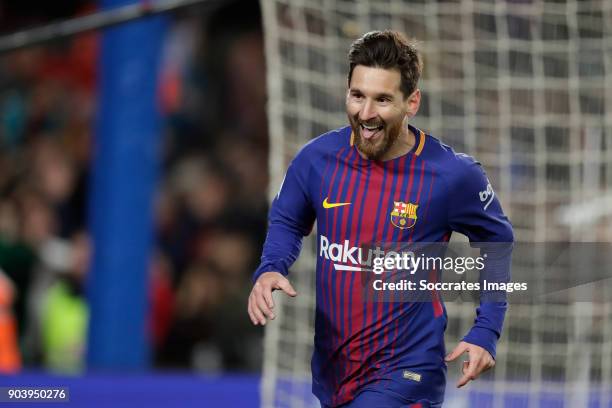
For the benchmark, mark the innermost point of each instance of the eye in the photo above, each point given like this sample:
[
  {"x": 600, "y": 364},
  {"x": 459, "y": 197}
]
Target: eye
[
  {"x": 356, "y": 95},
  {"x": 383, "y": 99}
]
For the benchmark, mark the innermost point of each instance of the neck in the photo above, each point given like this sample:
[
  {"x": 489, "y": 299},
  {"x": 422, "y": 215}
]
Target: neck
[{"x": 402, "y": 145}]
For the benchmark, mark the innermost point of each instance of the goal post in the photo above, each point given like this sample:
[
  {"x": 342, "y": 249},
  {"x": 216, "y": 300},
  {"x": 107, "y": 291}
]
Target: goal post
[{"x": 525, "y": 86}]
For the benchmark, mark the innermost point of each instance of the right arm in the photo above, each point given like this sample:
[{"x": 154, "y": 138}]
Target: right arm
[{"x": 291, "y": 218}]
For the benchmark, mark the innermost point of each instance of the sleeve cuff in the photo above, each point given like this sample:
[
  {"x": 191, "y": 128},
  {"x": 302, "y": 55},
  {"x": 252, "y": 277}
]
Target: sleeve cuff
[
  {"x": 483, "y": 337},
  {"x": 280, "y": 267}
]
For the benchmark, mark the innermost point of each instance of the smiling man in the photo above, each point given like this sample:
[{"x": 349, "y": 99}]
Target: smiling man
[{"x": 379, "y": 180}]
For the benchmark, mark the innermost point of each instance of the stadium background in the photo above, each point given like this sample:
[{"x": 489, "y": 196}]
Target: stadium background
[{"x": 134, "y": 168}]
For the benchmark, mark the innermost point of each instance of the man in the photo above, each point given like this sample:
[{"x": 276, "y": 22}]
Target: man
[{"x": 352, "y": 181}]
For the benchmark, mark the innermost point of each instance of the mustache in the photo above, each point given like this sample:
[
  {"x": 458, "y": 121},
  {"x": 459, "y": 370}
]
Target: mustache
[{"x": 376, "y": 123}]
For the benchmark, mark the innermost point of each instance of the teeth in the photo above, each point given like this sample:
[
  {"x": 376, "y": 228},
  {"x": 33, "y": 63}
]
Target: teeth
[{"x": 371, "y": 127}]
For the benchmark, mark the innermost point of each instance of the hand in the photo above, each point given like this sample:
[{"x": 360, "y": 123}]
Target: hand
[
  {"x": 261, "y": 304},
  {"x": 479, "y": 362}
]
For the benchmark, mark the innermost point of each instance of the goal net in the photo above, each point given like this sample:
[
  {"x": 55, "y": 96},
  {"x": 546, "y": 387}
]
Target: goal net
[{"x": 525, "y": 86}]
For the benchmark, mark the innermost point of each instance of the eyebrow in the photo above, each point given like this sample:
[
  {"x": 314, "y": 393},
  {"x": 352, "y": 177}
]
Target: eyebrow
[{"x": 380, "y": 95}]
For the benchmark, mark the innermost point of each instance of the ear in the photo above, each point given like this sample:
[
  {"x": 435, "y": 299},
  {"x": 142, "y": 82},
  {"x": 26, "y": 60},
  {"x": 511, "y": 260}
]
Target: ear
[{"x": 412, "y": 103}]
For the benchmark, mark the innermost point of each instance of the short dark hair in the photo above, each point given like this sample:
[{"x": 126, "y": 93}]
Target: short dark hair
[{"x": 388, "y": 49}]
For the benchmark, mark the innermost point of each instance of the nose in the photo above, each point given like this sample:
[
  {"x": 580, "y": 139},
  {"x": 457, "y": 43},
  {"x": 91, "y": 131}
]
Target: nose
[{"x": 367, "y": 111}]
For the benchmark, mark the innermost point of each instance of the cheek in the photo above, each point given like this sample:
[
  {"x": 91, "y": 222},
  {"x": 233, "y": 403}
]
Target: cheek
[
  {"x": 352, "y": 109},
  {"x": 392, "y": 118}
]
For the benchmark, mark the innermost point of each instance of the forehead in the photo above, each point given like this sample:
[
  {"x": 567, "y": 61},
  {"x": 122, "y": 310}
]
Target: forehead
[{"x": 375, "y": 80}]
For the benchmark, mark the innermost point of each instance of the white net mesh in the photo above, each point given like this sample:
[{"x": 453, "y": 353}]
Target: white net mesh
[{"x": 525, "y": 86}]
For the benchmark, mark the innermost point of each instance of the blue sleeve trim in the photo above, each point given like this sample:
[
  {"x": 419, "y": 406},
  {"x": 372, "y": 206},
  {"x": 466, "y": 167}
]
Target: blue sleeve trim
[{"x": 483, "y": 337}]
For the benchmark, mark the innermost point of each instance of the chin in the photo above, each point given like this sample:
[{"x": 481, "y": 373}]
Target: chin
[{"x": 371, "y": 152}]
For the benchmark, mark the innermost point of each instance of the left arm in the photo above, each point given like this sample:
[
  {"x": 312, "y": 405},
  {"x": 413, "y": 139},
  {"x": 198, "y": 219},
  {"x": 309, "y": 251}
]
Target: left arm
[{"x": 476, "y": 212}]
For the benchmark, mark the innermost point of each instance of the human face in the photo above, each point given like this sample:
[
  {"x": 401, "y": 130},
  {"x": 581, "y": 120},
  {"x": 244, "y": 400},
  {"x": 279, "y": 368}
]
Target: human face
[{"x": 377, "y": 108}]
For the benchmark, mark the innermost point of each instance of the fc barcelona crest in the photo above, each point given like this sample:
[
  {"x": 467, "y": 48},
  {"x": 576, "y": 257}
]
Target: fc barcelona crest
[{"x": 404, "y": 215}]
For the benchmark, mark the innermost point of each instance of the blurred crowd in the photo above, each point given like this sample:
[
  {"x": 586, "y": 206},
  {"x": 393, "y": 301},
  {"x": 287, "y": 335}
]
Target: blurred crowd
[{"x": 211, "y": 201}]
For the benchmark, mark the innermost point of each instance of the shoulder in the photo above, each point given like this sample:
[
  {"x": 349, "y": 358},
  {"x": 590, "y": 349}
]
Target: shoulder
[
  {"x": 445, "y": 156},
  {"x": 327, "y": 143},
  {"x": 317, "y": 151},
  {"x": 454, "y": 167}
]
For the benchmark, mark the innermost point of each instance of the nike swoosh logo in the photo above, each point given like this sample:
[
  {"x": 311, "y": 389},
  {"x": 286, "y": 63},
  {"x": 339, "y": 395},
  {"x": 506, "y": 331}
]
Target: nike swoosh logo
[{"x": 333, "y": 205}]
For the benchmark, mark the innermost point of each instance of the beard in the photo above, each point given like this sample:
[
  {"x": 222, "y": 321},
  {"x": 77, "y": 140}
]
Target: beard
[{"x": 375, "y": 148}]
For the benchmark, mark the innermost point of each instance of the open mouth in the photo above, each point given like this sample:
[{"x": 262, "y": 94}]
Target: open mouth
[{"x": 369, "y": 132}]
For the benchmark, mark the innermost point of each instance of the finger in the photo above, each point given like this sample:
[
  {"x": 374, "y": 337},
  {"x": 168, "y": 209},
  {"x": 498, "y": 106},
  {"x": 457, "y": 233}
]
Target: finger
[
  {"x": 258, "y": 314},
  {"x": 262, "y": 292},
  {"x": 470, "y": 370},
  {"x": 487, "y": 364},
  {"x": 252, "y": 316},
  {"x": 460, "y": 349},
  {"x": 471, "y": 374},
  {"x": 286, "y": 287},
  {"x": 250, "y": 310},
  {"x": 464, "y": 380},
  {"x": 258, "y": 304},
  {"x": 467, "y": 376},
  {"x": 267, "y": 294},
  {"x": 263, "y": 306}
]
